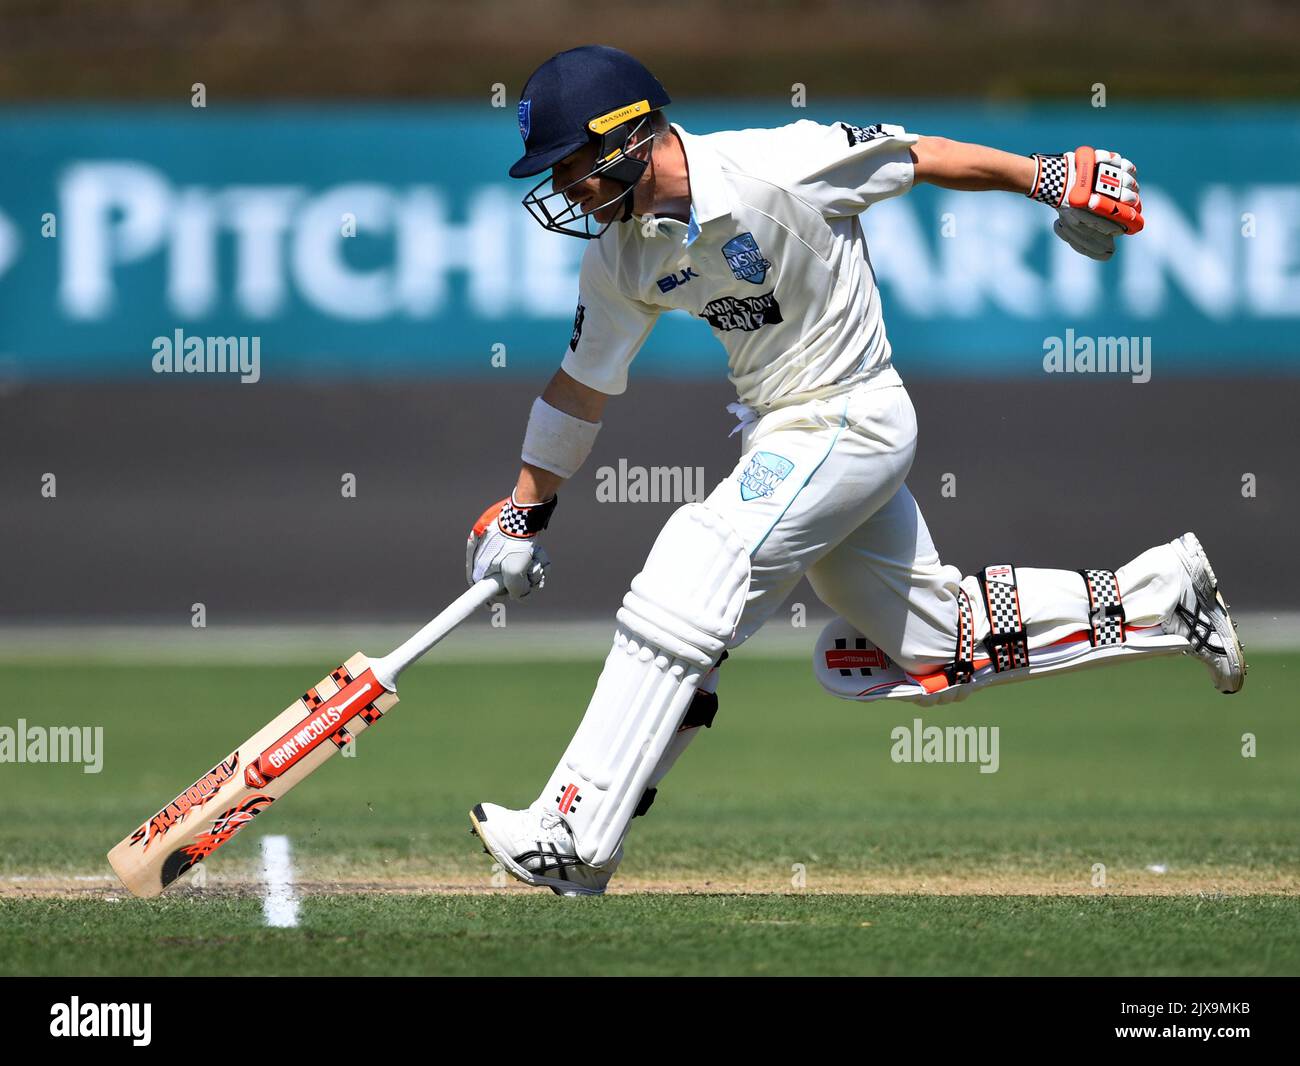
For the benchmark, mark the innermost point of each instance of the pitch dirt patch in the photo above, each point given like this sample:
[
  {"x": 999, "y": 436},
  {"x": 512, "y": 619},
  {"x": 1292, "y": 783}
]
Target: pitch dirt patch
[{"x": 1230, "y": 882}]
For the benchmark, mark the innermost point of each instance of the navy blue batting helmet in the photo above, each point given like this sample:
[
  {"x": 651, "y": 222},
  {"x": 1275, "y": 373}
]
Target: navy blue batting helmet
[{"x": 592, "y": 93}]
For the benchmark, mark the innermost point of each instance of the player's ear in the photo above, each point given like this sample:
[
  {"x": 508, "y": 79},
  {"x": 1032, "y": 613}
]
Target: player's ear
[{"x": 654, "y": 135}]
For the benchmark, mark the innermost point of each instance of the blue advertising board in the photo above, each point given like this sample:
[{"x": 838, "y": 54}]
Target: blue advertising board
[{"x": 389, "y": 241}]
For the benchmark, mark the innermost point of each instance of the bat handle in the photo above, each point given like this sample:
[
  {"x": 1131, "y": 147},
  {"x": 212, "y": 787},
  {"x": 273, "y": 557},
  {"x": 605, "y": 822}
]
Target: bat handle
[{"x": 387, "y": 668}]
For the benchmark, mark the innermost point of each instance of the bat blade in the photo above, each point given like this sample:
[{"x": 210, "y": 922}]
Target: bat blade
[{"x": 261, "y": 770}]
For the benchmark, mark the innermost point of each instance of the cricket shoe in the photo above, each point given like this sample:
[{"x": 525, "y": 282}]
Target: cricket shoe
[
  {"x": 1202, "y": 617},
  {"x": 536, "y": 847}
]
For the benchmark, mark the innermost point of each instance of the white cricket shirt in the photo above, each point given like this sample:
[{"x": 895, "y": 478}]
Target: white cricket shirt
[{"x": 774, "y": 259}]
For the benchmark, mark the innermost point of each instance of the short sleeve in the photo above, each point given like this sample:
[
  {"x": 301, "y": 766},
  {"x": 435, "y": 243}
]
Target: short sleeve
[
  {"x": 843, "y": 169},
  {"x": 608, "y": 327}
]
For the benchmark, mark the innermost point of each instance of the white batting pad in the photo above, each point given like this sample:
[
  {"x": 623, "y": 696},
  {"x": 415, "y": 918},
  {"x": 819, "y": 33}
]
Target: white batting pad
[
  {"x": 850, "y": 666},
  {"x": 674, "y": 625}
]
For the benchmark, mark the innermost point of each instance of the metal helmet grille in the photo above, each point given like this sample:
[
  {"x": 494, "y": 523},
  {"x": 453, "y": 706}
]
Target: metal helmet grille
[{"x": 553, "y": 209}]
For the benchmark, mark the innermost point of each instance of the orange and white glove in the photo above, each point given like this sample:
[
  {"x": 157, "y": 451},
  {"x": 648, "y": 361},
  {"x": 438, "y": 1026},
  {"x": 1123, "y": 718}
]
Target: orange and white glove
[
  {"x": 1095, "y": 193},
  {"x": 504, "y": 541}
]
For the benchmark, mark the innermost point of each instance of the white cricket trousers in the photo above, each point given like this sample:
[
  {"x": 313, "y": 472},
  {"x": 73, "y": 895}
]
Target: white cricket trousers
[{"x": 820, "y": 490}]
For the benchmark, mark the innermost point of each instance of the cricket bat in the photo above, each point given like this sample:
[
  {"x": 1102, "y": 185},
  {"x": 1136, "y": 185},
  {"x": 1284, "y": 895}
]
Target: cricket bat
[{"x": 287, "y": 749}]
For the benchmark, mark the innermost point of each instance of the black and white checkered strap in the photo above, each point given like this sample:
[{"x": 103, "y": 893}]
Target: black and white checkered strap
[
  {"x": 1105, "y": 607},
  {"x": 524, "y": 520},
  {"x": 1007, "y": 642},
  {"x": 963, "y": 664},
  {"x": 1051, "y": 180}
]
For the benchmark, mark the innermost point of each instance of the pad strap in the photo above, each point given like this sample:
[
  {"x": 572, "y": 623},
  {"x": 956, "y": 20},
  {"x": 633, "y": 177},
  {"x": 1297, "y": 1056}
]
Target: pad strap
[
  {"x": 647, "y": 801},
  {"x": 1105, "y": 607},
  {"x": 963, "y": 664},
  {"x": 701, "y": 711},
  {"x": 1007, "y": 642}
]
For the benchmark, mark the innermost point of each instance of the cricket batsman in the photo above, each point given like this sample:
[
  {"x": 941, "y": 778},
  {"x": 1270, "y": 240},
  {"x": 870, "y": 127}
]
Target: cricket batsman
[{"x": 757, "y": 232}]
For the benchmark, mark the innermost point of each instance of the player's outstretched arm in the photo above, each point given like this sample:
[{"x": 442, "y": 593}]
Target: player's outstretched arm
[
  {"x": 562, "y": 427},
  {"x": 1094, "y": 191},
  {"x": 971, "y": 167}
]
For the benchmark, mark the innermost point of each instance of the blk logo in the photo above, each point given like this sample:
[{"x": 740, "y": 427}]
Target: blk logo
[{"x": 672, "y": 281}]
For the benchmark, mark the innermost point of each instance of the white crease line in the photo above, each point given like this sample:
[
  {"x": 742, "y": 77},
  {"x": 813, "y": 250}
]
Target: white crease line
[{"x": 279, "y": 905}]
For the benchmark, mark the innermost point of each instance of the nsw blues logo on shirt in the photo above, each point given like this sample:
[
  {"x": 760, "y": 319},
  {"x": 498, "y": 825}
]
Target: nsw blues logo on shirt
[{"x": 744, "y": 258}]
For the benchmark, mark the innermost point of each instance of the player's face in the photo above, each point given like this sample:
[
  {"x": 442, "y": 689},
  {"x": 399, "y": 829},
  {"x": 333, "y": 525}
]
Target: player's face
[{"x": 573, "y": 175}]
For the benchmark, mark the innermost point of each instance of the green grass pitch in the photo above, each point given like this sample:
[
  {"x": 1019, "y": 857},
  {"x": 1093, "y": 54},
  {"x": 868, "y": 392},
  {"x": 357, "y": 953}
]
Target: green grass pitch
[{"x": 786, "y": 841}]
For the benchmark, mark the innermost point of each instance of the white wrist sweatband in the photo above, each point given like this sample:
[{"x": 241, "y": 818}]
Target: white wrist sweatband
[{"x": 556, "y": 441}]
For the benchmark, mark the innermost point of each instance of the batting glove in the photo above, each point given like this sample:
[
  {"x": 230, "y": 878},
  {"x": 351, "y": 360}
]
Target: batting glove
[
  {"x": 1095, "y": 193},
  {"x": 503, "y": 541}
]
